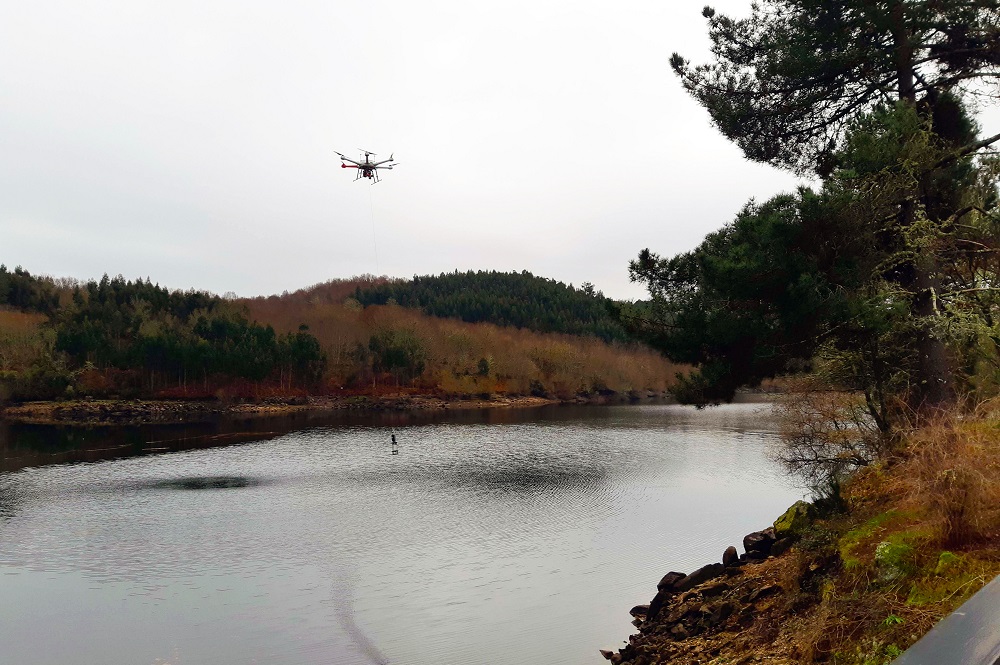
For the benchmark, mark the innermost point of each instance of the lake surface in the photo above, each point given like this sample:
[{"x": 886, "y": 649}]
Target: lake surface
[{"x": 491, "y": 537}]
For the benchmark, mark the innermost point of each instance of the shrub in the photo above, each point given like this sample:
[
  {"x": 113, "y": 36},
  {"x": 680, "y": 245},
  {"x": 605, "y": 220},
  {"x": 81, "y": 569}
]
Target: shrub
[{"x": 826, "y": 435}]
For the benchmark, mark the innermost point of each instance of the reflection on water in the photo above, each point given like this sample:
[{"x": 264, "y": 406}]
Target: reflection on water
[
  {"x": 207, "y": 483},
  {"x": 491, "y": 537}
]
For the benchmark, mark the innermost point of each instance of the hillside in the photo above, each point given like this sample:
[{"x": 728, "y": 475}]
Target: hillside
[
  {"x": 521, "y": 300},
  {"x": 390, "y": 344},
  {"x": 117, "y": 337}
]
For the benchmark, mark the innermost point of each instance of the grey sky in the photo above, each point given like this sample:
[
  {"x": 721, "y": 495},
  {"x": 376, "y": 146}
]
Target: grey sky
[{"x": 192, "y": 142}]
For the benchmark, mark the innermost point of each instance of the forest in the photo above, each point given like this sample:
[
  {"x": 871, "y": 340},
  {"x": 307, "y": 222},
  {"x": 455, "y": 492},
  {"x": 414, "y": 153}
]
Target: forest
[
  {"x": 521, "y": 300},
  {"x": 113, "y": 337}
]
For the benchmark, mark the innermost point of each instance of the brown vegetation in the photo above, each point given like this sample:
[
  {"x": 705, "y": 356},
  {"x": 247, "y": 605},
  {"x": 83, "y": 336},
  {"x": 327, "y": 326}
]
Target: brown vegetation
[
  {"x": 21, "y": 339},
  {"x": 459, "y": 358},
  {"x": 361, "y": 350}
]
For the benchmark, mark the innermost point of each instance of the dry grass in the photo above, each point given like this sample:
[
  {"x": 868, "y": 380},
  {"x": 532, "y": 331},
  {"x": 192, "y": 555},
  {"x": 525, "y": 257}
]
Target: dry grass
[{"x": 953, "y": 471}]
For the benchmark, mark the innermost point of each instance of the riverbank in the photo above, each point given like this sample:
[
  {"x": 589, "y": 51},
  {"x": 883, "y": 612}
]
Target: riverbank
[
  {"x": 89, "y": 412},
  {"x": 917, "y": 535}
]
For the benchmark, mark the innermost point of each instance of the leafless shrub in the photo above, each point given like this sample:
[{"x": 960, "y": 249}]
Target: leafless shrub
[{"x": 826, "y": 434}]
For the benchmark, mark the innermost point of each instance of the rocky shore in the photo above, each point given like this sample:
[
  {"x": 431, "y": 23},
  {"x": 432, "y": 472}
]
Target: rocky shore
[
  {"x": 141, "y": 412},
  {"x": 728, "y": 611}
]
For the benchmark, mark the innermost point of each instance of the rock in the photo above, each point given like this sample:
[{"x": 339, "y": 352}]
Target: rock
[
  {"x": 607, "y": 654},
  {"x": 716, "y": 589},
  {"x": 752, "y": 557},
  {"x": 794, "y": 521},
  {"x": 679, "y": 632},
  {"x": 670, "y": 580},
  {"x": 715, "y": 615},
  {"x": 657, "y": 603},
  {"x": 759, "y": 541},
  {"x": 676, "y": 614},
  {"x": 699, "y": 576},
  {"x": 763, "y": 592},
  {"x": 730, "y": 556},
  {"x": 686, "y": 596},
  {"x": 781, "y": 545},
  {"x": 724, "y": 611},
  {"x": 639, "y": 610}
]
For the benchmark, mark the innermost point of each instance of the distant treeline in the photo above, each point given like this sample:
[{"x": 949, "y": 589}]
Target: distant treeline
[
  {"x": 120, "y": 338},
  {"x": 521, "y": 300},
  {"x": 137, "y": 337}
]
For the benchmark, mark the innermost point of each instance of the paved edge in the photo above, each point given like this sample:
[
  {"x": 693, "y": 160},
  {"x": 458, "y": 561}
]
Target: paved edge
[{"x": 970, "y": 635}]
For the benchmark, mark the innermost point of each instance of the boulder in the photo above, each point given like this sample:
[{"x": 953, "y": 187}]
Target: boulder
[
  {"x": 750, "y": 558},
  {"x": 781, "y": 545},
  {"x": 730, "y": 556},
  {"x": 669, "y": 580},
  {"x": 639, "y": 610},
  {"x": 759, "y": 541},
  {"x": 607, "y": 654},
  {"x": 679, "y": 613},
  {"x": 794, "y": 521},
  {"x": 656, "y": 604},
  {"x": 703, "y": 574}
]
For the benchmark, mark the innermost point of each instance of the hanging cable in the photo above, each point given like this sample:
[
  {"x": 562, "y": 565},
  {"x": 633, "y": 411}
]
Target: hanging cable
[{"x": 371, "y": 207}]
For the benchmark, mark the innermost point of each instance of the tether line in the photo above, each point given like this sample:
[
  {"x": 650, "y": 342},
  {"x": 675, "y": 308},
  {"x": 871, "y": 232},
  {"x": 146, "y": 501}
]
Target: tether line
[{"x": 371, "y": 207}]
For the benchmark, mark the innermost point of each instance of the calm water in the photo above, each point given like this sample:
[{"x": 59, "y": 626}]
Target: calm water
[{"x": 512, "y": 538}]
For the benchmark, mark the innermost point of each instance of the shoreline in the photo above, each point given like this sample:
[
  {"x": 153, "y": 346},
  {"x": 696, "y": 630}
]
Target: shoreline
[{"x": 91, "y": 412}]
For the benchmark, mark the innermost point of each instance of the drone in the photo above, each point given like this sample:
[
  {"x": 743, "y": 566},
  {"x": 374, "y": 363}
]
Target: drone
[{"x": 366, "y": 168}]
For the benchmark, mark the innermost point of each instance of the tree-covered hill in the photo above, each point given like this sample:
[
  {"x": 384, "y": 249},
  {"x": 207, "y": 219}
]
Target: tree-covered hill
[
  {"x": 19, "y": 289},
  {"x": 514, "y": 299},
  {"x": 131, "y": 338},
  {"x": 113, "y": 337}
]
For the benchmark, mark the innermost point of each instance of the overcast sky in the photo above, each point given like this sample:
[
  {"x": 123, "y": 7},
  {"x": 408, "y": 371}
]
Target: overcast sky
[{"x": 193, "y": 142}]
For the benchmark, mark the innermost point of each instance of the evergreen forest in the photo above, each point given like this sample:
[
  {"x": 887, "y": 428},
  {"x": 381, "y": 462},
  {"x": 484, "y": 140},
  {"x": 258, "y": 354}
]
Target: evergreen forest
[{"x": 521, "y": 300}]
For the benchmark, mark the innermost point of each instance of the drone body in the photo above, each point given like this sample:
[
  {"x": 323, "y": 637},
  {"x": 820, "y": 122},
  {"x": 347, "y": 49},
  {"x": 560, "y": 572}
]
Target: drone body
[{"x": 366, "y": 167}]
